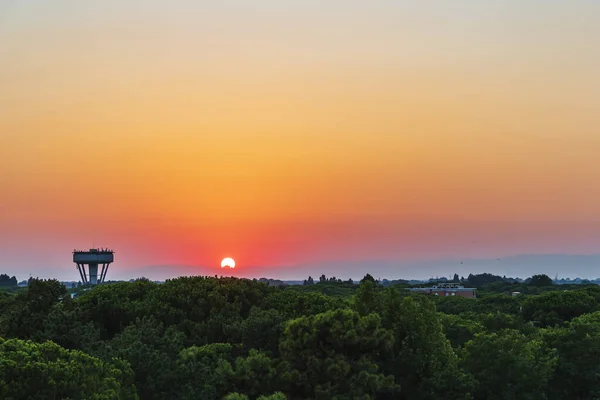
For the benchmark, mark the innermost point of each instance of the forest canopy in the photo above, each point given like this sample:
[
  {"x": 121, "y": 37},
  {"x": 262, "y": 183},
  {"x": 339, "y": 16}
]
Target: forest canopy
[{"x": 227, "y": 338}]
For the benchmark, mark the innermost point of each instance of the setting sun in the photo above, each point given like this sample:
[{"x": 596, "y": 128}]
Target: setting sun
[{"x": 228, "y": 262}]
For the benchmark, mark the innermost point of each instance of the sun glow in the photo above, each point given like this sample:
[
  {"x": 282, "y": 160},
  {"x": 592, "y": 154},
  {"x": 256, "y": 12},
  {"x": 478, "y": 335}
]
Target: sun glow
[{"x": 228, "y": 262}]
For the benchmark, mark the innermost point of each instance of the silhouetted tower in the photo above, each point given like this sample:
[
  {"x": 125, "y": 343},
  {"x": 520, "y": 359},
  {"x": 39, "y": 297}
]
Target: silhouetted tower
[{"x": 92, "y": 259}]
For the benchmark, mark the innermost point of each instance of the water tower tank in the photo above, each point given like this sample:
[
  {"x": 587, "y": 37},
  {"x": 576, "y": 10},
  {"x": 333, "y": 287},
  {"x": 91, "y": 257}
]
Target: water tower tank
[{"x": 92, "y": 259}]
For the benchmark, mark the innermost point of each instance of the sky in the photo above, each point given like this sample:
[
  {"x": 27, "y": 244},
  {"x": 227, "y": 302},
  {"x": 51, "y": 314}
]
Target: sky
[{"x": 297, "y": 136}]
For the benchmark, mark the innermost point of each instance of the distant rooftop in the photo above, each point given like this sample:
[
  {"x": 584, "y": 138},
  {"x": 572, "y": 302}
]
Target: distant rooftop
[
  {"x": 448, "y": 286},
  {"x": 444, "y": 286}
]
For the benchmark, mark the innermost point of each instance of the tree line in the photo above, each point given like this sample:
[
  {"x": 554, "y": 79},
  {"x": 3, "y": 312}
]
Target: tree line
[
  {"x": 7, "y": 281},
  {"x": 227, "y": 338}
]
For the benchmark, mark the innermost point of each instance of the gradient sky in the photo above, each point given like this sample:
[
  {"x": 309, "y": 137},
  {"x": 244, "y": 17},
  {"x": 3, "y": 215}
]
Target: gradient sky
[{"x": 288, "y": 134}]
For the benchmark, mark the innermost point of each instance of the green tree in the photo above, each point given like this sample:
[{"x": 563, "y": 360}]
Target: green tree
[
  {"x": 67, "y": 325},
  {"x": 262, "y": 329},
  {"x": 235, "y": 396},
  {"x": 23, "y": 317},
  {"x": 32, "y": 371},
  {"x": 151, "y": 350},
  {"x": 541, "y": 280},
  {"x": 7, "y": 281},
  {"x": 578, "y": 344},
  {"x": 508, "y": 365},
  {"x": 366, "y": 300},
  {"x": 114, "y": 307},
  {"x": 422, "y": 359},
  {"x": 293, "y": 304},
  {"x": 256, "y": 374},
  {"x": 554, "y": 308},
  {"x": 274, "y": 396},
  {"x": 497, "y": 321},
  {"x": 369, "y": 278},
  {"x": 335, "y": 355},
  {"x": 459, "y": 329},
  {"x": 479, "y": 280},
  {"x": 206, "y": 372}
]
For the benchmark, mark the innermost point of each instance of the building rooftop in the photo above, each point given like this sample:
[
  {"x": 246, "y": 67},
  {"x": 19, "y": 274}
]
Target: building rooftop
[
  {"x": 94, "y": 251},
  {"x": 454, "y": 287}
]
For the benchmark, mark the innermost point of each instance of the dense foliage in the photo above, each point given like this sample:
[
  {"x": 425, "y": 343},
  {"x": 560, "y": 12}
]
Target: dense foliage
[
  {"x": 7, "y": 281},
  {"x": 226, "y": 338}
]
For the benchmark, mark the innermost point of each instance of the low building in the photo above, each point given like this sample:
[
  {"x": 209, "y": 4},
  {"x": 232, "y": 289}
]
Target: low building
[{"x": 447, "y": 289}]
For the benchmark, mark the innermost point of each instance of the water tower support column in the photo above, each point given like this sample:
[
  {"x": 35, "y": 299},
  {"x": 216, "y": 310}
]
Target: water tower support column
[
  {"x": 81, "y": 269},
  {"x": 93, "y": 272},
  {"x": 103, "y": 272}
]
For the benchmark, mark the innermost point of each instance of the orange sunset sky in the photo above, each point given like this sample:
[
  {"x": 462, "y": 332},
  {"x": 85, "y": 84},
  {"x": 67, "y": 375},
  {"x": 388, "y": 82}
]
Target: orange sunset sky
[{"x": 297, "y": 136}]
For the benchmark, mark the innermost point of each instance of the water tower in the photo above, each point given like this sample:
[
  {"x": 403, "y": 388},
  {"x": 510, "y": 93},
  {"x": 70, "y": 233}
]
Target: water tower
[{"x": 92, "y": 259}]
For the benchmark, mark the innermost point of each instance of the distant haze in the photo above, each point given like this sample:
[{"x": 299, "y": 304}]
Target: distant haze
[{"x": 523, "y": 266}]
